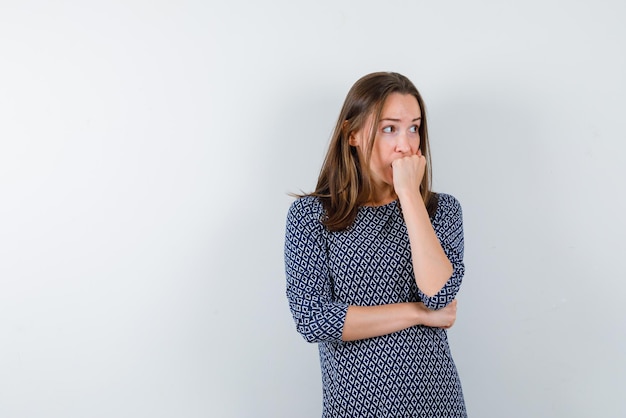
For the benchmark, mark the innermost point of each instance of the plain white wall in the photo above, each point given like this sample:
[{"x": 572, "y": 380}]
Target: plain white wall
[{"x": 146, "y": 153}]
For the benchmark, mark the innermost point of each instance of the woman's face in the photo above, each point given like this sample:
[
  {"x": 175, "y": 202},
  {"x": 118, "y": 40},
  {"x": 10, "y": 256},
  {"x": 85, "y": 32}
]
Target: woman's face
[{"x": 397, "y": 136}]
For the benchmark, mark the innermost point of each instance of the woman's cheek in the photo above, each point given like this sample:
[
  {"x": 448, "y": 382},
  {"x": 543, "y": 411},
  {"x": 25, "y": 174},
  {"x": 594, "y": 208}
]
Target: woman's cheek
[{"x": 390, "y": 174}]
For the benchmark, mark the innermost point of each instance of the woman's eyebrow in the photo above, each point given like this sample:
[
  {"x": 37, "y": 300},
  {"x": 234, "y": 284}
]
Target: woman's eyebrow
[{"x": 398, "y": 120}]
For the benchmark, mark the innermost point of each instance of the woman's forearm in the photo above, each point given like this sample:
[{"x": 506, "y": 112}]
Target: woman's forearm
[
  {"x": 373, "y": 321},
  {"x": 430, "y": 263}
]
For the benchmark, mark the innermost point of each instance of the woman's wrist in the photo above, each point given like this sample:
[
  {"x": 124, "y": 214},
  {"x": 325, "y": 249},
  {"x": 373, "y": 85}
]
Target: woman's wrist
[
  {"x": 410, "y": 199},
  {"x": 419, "y": 313}
]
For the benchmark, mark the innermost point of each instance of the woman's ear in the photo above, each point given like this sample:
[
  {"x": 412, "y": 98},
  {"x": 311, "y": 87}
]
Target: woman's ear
[{"x": 351, "y": 138}]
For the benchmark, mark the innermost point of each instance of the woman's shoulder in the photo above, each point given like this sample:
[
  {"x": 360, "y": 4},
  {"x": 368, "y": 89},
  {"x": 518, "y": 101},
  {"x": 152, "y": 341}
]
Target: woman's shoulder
[
  {"x": 307, "y": 203},
  {"x": 306, "y": 209},
  {"x": 447, "y": 205},
  {"x": 448, "y": 200}
]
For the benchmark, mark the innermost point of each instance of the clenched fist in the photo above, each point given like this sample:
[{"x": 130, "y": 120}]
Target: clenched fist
[{"x": 408, "y": 173}]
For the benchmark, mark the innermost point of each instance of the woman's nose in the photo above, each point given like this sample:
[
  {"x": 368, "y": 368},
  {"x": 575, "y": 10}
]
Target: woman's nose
[{"x": 402, "y": 145}]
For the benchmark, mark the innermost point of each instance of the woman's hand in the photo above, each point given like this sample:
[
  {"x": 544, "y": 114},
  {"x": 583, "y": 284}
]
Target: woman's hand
[
  {"x": 408, "y": 173},
  {"x": 442, "y": 318}
]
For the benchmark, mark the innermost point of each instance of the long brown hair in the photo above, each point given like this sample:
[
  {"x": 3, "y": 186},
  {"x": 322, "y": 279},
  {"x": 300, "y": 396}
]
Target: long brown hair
[{"x": 344, "y": 181}]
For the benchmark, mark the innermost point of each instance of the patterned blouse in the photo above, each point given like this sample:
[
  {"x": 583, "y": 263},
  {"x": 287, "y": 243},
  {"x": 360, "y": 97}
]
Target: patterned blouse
[{"x": 409, "y": 373}]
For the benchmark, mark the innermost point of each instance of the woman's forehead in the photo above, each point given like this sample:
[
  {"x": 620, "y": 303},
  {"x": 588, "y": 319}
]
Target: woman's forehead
[{"x": 401, "y": 106}]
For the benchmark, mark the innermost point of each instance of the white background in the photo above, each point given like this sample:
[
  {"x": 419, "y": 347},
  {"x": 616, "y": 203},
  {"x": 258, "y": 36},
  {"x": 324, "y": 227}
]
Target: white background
[{"x": 146, "y": 153}]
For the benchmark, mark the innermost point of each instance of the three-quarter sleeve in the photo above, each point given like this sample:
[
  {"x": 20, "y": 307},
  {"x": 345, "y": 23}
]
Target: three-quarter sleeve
[
  {"x": 448, "y": 225},
  {"x": 309, "y": 288}
]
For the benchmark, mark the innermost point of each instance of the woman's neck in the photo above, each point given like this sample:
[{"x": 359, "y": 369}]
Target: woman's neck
[{"x": 381, "y": 197}]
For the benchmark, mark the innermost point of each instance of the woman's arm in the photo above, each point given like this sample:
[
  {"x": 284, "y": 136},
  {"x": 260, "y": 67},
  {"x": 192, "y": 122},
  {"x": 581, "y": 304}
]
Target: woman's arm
[
  {"x": 430, "y": 264},
  {"x": 309, "y": 291},
  {"x": 373, "y": 321}
]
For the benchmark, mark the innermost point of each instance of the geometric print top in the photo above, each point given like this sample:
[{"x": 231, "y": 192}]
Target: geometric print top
[{"x": 409, "y": 373}]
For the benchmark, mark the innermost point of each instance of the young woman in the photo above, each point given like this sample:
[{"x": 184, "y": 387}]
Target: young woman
[{"x": 374, "y": 260}]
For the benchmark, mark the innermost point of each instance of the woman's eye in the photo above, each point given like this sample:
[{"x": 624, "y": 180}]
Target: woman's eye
[
  {"x": 414, "y": 129},
  {"x": 388, "y": 129}
]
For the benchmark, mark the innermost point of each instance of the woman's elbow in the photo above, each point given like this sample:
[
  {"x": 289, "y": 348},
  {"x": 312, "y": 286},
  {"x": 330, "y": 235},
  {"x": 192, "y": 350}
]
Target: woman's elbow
[
  {"x": 308, "y": 335},
  {"x": 317, "y": 332},
  {"x": 442, "y": 298}
]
